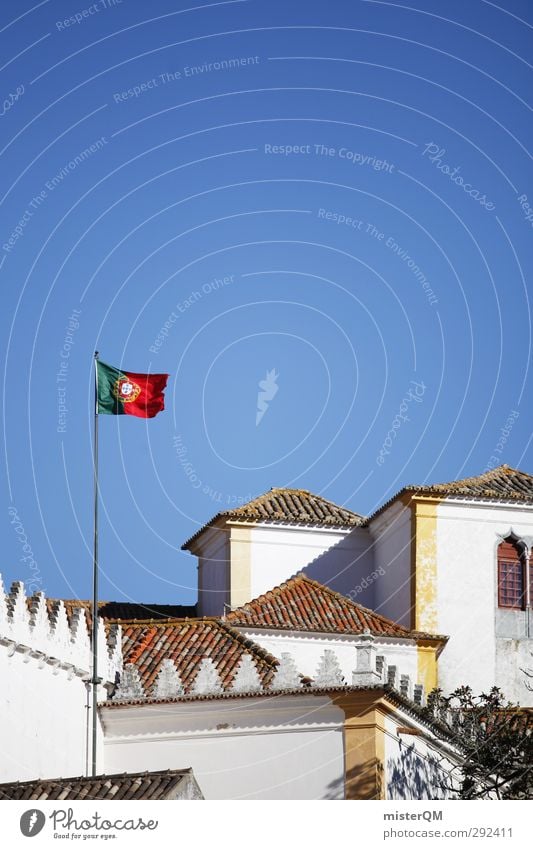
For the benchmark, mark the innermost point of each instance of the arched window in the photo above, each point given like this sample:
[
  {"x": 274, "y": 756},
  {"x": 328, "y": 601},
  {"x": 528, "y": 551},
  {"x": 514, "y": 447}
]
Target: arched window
[{"x": 511, "y": 575}]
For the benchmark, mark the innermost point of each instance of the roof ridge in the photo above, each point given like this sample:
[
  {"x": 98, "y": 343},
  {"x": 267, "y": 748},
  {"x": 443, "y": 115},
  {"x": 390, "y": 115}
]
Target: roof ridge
[
  {"x": 287, "y": 505},
  {"x": 488, "y": 475},
  {"x": 167, "y": 622},
  {"x": 287, "y": 489},
  {"x": 282, "y": 489},
  {"x": 516, "y": 487},
  {"x": 303, "y": 577},
  {"x": 264, "y": 654},
  {"x": 100, "y": 777}
]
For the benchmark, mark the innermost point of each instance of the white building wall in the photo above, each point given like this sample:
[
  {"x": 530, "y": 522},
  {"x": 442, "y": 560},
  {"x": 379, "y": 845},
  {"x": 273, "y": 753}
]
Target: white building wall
[
  {"x": 277, "y": 553},
  {"x": 213, "y": 579},
  {"x": 269, "y": 554},
  {"x": 288, "y": 748},
  {"x": 44, "y": 732},
  {"x": 347, "y": 567},
  {"x": 467, "y": 539},
  {"x": 391, "y": 534},
  {"x": 44, "y": 663},
  {"x": 212, "y": 551},
  {"x": 414, "y": 768},
  {"x": 512, "y": 658},
  {"x": 307, "y": 650}
]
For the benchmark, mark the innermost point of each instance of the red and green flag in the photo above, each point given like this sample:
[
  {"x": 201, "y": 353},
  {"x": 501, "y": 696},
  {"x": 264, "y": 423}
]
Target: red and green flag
[{"x": 126, "y": 393}]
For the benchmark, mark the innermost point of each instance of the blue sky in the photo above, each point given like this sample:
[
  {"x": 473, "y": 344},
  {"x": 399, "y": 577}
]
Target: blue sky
[{"x": 331, "y": 199}]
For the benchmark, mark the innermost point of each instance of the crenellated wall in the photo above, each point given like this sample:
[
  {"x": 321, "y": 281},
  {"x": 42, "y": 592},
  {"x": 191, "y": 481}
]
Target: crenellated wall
[{"x": 45, "y": 667}]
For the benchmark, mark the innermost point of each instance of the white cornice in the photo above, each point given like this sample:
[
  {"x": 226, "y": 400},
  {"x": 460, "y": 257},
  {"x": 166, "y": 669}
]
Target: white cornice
[
  {"x": 42, "y": 658},
  {"x": 320, "y": 636}
]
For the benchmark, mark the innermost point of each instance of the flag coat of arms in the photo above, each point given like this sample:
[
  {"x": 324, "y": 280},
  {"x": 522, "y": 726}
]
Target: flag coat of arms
[{"x": 127, "y": 393}]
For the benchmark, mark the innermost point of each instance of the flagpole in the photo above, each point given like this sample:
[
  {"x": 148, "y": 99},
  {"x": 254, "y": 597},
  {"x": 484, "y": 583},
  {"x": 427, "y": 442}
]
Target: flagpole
[{"x": 95, "y": 680}]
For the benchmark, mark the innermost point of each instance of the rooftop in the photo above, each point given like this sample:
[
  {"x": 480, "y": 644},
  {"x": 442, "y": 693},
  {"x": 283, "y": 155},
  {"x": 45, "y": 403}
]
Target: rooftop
[
  {"x": 288, "y": 506},
  {"x": 129, "y": 610},
  {"x": 156, "y": 786},
  {"x": 187, "y": 642},
  {"x": 300, "y": 507},
  {"x": 302, "y": 604},
  {"x": 500, "y": 484}
]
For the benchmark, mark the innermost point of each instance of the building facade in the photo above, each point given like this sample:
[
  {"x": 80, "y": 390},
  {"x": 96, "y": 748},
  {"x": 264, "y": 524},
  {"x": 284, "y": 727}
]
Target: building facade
[
  {"x": 451, "y": 559},
  {"x": 304, "y": 669}
]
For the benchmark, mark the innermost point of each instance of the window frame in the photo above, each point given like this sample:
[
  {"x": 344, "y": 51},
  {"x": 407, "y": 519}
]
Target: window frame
[{"x": 518, "y": 557}]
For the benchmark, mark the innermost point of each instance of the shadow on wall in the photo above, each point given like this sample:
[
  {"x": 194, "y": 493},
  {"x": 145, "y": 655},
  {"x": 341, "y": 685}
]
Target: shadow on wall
[
  {"x": 365, "y": 781},
  {"x": 411, "y": 776},
  {"x": 348, "y": 567}
]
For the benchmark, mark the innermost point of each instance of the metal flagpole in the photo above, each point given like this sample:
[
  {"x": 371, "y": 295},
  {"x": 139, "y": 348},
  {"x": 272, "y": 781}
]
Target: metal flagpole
[{"x": 95, "y": 680}]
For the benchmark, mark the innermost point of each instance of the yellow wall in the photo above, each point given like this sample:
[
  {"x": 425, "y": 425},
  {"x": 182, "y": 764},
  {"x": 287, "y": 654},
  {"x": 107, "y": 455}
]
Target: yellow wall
[
  {"x": 240, "y": 566},
  {"x": 364, "y": 745},
  {"x": 424, "y": 585},
  {"x": 427, "y": 667},
  {"x": 424, "y": 565}
]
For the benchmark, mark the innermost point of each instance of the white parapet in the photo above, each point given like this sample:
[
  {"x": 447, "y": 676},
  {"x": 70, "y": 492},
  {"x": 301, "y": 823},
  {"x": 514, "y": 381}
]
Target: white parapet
[{"x": 41, "y": 630}]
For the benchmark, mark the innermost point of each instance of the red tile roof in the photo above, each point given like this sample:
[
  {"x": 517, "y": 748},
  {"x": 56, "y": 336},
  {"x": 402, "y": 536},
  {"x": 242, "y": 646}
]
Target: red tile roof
[
  {"x": 301, "y": 604},
  {"x": 157, "y": 786},
  {"x": 288, "y": 506},
  {"x": 187, "y": 642}
]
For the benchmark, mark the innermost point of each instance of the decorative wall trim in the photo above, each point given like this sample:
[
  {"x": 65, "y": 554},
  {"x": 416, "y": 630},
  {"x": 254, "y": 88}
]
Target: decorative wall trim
[{"x": 42, "y": 632}]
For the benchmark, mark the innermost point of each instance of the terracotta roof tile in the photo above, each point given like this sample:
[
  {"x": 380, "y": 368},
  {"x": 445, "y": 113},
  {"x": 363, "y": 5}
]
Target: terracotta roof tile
[
  {"x": 288, "y": 506},
  {"x": 155, "y": 786},
  {"x": 504, "y": 483},
  {"x": 500, "y": 484},
  {"x": 301, "y": 604},
  {"x": 187, "y": 642}
]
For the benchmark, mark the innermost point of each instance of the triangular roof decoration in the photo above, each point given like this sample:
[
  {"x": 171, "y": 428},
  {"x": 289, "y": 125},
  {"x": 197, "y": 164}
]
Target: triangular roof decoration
[{"x": 187, "y": 642}]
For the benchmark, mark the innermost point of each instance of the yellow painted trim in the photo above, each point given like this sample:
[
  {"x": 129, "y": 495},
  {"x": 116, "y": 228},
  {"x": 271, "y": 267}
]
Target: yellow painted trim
[
  {"x": 424, "y": 564},
  {"x": 364, "y": 746},
  {"x": 428, "y": 674},
  {"x": 240, "y": 564}
]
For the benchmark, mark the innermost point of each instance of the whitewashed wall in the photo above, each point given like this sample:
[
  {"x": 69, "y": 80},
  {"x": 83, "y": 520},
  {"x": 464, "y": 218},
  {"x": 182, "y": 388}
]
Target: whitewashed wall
[
  {"x": 347, "y": 567},
  {"x": 467, "y": 539},
  {"x": 414, "y": 767},
  {"x": 212, "y": 550},
  {"x": 272, "y": 553},
  {"x": 44, "y": 729},
  {"x": 282, "y": 748},
  {"x": 277, "y": 553},
  {"x": 44, "y": 662},
  {"x": 307, "y": 649},
  {"x": 391, "y": 534}
]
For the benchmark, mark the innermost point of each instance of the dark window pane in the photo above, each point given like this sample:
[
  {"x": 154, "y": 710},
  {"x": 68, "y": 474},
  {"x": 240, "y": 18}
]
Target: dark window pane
[{"x": 510, "y": 583}]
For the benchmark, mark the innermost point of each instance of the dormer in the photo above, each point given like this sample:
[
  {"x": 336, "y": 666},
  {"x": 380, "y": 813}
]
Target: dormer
[{"x": 245, "y": 551}]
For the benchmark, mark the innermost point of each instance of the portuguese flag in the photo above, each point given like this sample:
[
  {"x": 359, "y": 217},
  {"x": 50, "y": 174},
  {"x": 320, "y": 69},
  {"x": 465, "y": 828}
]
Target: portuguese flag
[{"x": 126, "y": 393}]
